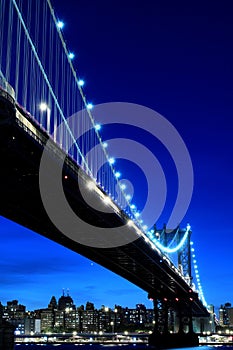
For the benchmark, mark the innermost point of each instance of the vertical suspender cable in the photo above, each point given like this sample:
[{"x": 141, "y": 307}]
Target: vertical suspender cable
[{"x": 45, "y": 75}]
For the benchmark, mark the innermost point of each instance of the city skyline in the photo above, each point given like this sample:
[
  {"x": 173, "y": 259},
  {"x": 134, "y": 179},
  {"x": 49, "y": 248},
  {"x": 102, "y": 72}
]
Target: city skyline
[
  {"x": 66, "y": 294},
  {"x": 175, "y": 59}
]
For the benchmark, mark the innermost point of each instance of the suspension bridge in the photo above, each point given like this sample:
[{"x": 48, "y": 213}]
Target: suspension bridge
[{"x": 40, "y": 93}]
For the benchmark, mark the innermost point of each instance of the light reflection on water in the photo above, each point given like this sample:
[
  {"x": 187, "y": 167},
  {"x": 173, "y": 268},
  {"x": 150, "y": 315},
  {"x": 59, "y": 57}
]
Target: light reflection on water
[{"x": 109, "y": 347}]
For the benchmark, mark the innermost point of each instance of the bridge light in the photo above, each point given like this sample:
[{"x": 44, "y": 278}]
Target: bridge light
[
  {"x": 89, "y": 106},
  {"x": 118, "y": 174},
  {"x": 43, "y": 106},
  {"x": 188, "y": 227},
  {"x": 71, "y": 55},
  {"x": 137, "y": 215},
  {"x": 130, "y": 222},
  {"x": 105, "y": 145},
  {"x": 128, "y": 197},
  {"x": 107, "y": 200},
  {"x": 60, "y": 24},
  {"x": 176, "y": 299},
  {"x": 192, "y": 249},
  {"x": 81, "y": 82},
  {"x": 65, "y": 177},
  {"x": 97, "y": 127},
  {"x": 133, "y": 206},
  {"x": 91, "y": 185},
  {"x": 123, "y": 186},
  {"x": 111, "y": 160},
  {"x": 191, "y": 299}
]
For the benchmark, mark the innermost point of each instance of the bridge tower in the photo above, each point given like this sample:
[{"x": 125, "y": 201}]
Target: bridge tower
[
  {"x": 173, "y": 319},
  {"x": 184, "y": 257}
]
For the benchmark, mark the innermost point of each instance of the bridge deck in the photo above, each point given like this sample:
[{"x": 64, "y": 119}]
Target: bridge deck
[{"x": 21, "y": 145}]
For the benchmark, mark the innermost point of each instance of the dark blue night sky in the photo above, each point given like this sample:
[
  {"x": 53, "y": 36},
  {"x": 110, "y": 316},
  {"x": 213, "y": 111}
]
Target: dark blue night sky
[{"x": 176, "y": 58}]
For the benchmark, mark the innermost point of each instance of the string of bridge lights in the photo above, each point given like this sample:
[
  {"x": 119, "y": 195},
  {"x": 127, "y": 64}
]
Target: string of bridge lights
[
  {"x": 133, "y": 213},
  {"x": 142, "y": 230},
  {"x": 196, "y": 271}
]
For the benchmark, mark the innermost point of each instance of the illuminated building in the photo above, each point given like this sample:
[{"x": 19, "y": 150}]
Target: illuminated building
[
  {"x": 226, "y": 315},
  {"x": 90, "y": 318}
]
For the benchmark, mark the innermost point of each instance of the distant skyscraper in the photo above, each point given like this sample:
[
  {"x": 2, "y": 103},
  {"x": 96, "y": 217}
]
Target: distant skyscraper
[
  {"x": 90, "y": 306},
  {"x": 65, "y": 301},
  {"x": 224, "y": 315},
  {"x": 53, "y": 303}
]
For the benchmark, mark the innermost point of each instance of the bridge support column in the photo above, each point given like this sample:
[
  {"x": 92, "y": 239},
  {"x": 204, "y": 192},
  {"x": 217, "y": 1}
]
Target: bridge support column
[
  {"x": 156, "y": 317},
  {"x": 162, "y": 338},
  {"x": 180, "y": 317},
  {"x": 165, "y": 315},
  {"x": 160, "y": 316},
  {"x": 190, "y": 323},
  {"x": 185, "y": 316}
]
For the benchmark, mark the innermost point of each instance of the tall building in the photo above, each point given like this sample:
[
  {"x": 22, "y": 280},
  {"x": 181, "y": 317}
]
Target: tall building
[
  {"x": 90, "y": 306},
  {"x": 53, "y": 303},
  {"x": 47, "y": 320},
  {"x": 14, "y": 310},
  {"x": 64, "y": 302},
  {"x": 90, "y": 318},
  {"x": 223, "y": 316},
  {"x": 59, "y": 316},
  {"x": 48, "y": 316},
  {"x": 15, "y": 314},
  {"x": 226, "y": 315}
]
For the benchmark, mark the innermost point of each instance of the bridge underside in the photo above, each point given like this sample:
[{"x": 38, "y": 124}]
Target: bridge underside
[{"x": 21, "y": 202}]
